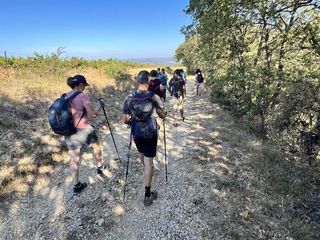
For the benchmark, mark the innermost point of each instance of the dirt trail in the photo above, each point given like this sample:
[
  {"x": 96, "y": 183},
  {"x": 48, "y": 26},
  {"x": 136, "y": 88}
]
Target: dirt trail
[{"x": 207, "y": 184}]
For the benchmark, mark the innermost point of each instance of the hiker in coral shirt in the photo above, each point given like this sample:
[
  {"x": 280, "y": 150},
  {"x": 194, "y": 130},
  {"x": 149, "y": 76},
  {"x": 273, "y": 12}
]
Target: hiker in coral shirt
[{"x": 82, "y": 107}]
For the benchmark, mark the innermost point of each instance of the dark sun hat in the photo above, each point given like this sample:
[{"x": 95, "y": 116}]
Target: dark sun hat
[{"x": 80, "y": 79}]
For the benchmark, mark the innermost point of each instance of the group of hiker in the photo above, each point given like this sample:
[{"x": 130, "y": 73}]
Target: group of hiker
[{"x": 69, "y": 116}]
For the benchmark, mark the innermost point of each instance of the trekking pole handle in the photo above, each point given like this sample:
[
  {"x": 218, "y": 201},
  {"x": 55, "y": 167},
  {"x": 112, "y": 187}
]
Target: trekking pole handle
[{"x": 101, "y": 102}]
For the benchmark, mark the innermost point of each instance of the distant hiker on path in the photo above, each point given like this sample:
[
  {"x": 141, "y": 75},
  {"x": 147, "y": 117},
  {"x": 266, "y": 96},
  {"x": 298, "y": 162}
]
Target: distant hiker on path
[
  {"x": 155, "y": 84},
  {"x": 177, "y": 89},
  {"x": 183, "y": 75},
  {"x": 82, "y": 107},
  {"x": 137, "y": 111},
  {"x": 164, "y": 82},
  {"x": 198, "y": 80},
  {"x": 184, "y": 78}
]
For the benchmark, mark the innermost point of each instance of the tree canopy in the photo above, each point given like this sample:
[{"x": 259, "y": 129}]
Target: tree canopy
[{"x": 261, "y": 61}]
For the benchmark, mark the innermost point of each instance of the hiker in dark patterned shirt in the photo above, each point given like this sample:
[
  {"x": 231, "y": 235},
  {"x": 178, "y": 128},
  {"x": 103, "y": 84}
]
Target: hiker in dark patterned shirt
[{"x": 138, "y": 112}]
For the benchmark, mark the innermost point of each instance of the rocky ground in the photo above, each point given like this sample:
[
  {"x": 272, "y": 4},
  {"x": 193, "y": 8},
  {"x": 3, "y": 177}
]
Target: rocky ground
[{"x": 212, "y": 190}]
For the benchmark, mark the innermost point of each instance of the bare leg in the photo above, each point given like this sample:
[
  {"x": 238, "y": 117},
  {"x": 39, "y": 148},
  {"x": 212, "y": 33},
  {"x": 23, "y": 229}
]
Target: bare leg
[
  {"x": 97, "y": 153},
  {"x": 148, "y": 171},
  {"x": 74, "y": 164},
  {"x": 141, "y": 158}
]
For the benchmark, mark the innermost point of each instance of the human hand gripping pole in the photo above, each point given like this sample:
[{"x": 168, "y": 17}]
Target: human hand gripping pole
[{"x": 105, "y": 114}]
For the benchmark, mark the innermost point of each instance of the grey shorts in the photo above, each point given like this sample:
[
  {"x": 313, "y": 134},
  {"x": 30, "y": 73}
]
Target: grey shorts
[
  {"x": 177, "y": 103},
  {"x": 83, "y": 136}
]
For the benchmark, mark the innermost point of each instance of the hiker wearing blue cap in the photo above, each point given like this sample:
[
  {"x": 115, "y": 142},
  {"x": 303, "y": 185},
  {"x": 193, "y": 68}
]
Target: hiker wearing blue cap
[
  {"x": 138, "y": 112},
  {"x": 82, "y": 107},
  {"x": 183, "y": 75},
  {"x": 164, "y": 80}
]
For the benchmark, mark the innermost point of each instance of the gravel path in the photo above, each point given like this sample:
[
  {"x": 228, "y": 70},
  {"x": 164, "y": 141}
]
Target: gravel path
[{"x": 194, "y": 204}]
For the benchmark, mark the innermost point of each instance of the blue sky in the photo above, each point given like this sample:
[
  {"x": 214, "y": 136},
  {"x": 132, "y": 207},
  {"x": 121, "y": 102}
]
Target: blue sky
[{"x": 92, "y": 29}]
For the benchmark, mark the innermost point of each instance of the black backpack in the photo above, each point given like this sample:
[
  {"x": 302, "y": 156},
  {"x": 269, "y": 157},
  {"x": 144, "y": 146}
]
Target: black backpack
[
  {"x": 60, "y": 115},
  {"x": 177, "y": 87},
  {"x": 200, "y": 78},
  {"x": 143, "y": 124}
]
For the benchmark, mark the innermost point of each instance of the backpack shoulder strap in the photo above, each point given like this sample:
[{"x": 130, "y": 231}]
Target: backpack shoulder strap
[
  {"x": 134, "y": 93},
  {"x": 73, "y": 95},
  {"x": 135, "y": 96},
  {"x": 82, "y": 115},
  {"x": 70, "y": 99}
]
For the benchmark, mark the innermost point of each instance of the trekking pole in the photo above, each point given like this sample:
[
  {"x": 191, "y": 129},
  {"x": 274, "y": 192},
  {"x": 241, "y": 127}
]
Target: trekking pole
[
  {"x": 165, "y": 146},
  {"x": 165, "y": 149},
  {"x": 127, "y": 168},
  {"x": 105, "y": 114}
]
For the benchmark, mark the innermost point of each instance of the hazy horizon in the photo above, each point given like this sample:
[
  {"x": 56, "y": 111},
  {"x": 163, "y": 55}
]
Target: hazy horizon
[{"x": 169, "y": 59}]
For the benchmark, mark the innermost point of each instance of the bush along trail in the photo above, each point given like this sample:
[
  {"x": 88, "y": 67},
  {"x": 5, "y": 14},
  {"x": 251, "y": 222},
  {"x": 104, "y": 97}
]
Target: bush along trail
[{"x": 219, "y": 187}]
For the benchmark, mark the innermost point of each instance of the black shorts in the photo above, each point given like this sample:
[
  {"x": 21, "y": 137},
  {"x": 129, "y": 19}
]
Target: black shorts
[{"x": 147, "y": 146}]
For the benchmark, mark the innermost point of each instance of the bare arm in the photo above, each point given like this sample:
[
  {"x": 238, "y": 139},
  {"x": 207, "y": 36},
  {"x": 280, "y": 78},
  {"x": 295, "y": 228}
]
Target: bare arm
[
  {"x": 126, "y": 113},
  {"x": 126, "y": 118},
  {"x": 162, "y": 114},
  {"x": 159, "y": 107},
  {"x": 91, "y": 110},
  {"x": 170, "y": 86}
]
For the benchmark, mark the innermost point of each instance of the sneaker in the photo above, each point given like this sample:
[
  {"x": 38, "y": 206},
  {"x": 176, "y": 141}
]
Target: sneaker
[
  {"x": 78, "y": 189},
  {"x": 149, "y": 200},
  {"x": 100, "y": 170}
]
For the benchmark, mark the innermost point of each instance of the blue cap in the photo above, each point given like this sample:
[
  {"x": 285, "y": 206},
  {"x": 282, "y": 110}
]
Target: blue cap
[{"x": 80, "y": 79}]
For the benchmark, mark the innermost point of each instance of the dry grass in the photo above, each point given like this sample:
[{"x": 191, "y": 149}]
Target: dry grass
[
  {"x": 23, "y": 85},
  {"x": 20, "y": 86},
  {"x": 28, "y": 147}
]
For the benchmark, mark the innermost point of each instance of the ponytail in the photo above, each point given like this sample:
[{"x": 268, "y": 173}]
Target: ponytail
[{"x": 70, "y": 82}]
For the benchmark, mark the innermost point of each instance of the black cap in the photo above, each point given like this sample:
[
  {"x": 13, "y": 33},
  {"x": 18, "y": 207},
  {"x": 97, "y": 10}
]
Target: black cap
[
  {"x": 80, "y": 79},
  {"x": 177, "y": 71},
  {"x": 143, "y": 77},
  {"x": 153, "y": 73}
]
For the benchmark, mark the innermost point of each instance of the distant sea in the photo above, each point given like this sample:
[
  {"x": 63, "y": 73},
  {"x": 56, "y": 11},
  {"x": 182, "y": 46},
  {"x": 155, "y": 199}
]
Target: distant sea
[{"x": 163, "y": 61}]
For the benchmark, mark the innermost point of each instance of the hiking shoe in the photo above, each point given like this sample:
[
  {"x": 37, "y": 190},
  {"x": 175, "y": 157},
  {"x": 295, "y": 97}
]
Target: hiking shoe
[
  {"x": 100, "y": 170},
  {"x": 78, "y": 189},
  {"x": 149, "y": 200},
  {"x": 175, "y": 124},
  {"x": 183, "y": 118}
]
